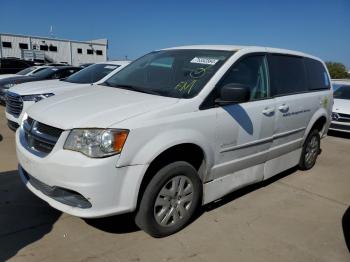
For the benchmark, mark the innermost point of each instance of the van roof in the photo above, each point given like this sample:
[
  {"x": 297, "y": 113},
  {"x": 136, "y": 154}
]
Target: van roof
[{"x": 242, "y": 47}]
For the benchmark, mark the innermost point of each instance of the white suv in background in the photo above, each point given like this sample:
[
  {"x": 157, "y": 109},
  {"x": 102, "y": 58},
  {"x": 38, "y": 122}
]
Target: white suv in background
[
  {"x": 21, "y": 96},
  {"x": 174, "y": 130}
]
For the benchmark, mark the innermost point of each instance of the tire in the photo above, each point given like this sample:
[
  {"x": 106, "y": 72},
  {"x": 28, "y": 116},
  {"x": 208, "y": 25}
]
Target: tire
[
  {"x": 170, "y": 200},
  {"x": 311, "y": 150}
]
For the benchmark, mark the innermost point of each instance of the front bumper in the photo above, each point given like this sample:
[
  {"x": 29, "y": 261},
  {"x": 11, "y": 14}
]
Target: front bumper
[
  {"x": 110, "y": 190},
  {"x": 340, "y": 126}
]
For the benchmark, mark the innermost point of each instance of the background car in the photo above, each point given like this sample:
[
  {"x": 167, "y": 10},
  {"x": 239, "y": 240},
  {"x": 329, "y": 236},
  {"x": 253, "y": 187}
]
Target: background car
[
  {"x": 25, "y": 72},
  {"x": 336, "y": 83},
  {"x": 20, "y": 97},
  {"x": 13, "y": 65},
  {"x": 45, "y": 74},
  {"x": 341, "y": 108}
]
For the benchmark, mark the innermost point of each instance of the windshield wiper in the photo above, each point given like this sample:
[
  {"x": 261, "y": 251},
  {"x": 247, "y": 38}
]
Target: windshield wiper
[
  {"x": 106, "y": 84},
  {"x": 134, "y": 88}
]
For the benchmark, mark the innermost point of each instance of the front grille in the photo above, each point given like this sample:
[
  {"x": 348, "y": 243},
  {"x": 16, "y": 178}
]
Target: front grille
[
  {"x": 343, "y": 117},
  {"x": 14, "y": 104},
  {"x": 40, "y": 137}
]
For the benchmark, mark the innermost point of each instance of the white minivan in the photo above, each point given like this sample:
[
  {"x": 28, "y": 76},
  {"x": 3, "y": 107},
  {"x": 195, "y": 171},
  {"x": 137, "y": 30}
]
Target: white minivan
[
  {"x": 22, "y": 96},
  {"x": 176, "y": 129}
]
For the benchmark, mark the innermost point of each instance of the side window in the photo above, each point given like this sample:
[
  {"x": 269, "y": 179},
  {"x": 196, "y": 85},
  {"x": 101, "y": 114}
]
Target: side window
[
  {"x": 23, "y": 46},
  {"x": 287, "y": 75},
  {"x": 56, "y": 75},
  {"x": 64, "y": 73},
  {"x": 44, "y": 47},
  {"x": 317, "y": 75},
  {"x": 60, "y": 74},
  {"x": 67, "y": 72},
  {"x": 250, "y": 71},
  {"x": 7, "y": 44}
]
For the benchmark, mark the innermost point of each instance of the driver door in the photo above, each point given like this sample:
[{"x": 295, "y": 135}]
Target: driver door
[{"x": 245, "y": 130}]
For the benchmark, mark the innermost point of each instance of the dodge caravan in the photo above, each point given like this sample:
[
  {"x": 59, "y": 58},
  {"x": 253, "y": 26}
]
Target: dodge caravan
[{"x": 176, "y": 129}]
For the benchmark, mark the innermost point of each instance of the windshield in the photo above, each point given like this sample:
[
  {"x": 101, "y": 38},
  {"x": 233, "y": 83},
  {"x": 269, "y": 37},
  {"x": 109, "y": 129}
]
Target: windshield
[
  {"x": 26, "y": 71},
  {"x": 45, "y": 73},
  {"x": 342, "y": 92},
  {"x": 92, "y": 73},
  {"x": 172, "y": 73}
]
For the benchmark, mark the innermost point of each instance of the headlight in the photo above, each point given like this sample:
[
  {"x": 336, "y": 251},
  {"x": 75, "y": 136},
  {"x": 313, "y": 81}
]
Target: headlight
[
  {"x": 96, "y": 142},
  {"x": 36, "y": 98},
  {"x": 9, "y": 85}
]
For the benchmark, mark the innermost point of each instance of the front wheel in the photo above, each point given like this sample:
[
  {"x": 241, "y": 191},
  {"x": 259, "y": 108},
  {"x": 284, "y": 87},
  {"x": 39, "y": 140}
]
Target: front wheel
[
  {"x": 310, "y": 151},
  {"x": 170, "y": 200}
]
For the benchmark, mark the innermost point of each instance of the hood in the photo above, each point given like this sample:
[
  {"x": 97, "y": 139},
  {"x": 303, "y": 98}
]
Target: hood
[
  {"x": 341, "y": 106},
  {"x": 16, "y": 80},
  {"x": 95, "y": 106},
  {"x": 42, "y": 87}
]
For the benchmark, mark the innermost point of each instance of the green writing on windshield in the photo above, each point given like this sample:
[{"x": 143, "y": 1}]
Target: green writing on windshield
[{"x": 186, "y": 86}]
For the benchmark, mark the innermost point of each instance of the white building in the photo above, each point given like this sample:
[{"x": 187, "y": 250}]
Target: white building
[{"x": 53, "y": 50}]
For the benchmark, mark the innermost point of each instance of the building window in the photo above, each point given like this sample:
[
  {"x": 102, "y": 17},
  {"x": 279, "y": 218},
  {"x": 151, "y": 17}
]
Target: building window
[
  {"x": 80, "y": 50},
  {"x": 44, "y": 48},
  {"x": 90, "y": 51},
  {"x": 23, "y": 46},
  {"x": 53, "y": 48},
  {"x": 7, "y": 44},
  {"x": 99, "y": 52}
]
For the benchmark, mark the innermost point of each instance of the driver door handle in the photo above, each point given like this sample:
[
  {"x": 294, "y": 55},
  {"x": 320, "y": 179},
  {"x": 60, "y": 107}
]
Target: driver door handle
[
  {"x": 268, "y": 111},
  {"x": 283, "y": 107}
]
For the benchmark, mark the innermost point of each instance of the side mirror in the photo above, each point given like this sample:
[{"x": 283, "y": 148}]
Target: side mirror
[{"x": 233, "y": 94}]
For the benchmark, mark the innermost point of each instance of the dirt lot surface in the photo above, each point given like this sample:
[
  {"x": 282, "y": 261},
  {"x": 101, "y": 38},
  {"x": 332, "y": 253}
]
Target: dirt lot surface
[{"x": 297, "y": 216}]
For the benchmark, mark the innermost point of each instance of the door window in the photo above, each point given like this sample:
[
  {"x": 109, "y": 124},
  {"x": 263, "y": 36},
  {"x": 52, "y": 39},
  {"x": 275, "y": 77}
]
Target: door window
[
  {"x": 317, "y": 75},
  {"x": 287, "y": 75},
  {"x": 62, "y": 74},
  {"x": 252, "y": 72}
]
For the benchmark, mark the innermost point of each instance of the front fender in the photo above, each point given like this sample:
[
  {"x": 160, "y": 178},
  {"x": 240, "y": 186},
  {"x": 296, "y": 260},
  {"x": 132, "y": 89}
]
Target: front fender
[{"x": 152, "y": 148}]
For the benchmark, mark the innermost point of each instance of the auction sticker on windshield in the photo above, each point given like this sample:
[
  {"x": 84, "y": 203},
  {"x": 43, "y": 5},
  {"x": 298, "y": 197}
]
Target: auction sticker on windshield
[{"x": 204, "y": 60}]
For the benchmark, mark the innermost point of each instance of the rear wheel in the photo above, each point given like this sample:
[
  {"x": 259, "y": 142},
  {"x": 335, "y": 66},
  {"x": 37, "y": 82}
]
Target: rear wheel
[
  {"x": 310, "y": 151},
  {"x": 169, "y": 200}
]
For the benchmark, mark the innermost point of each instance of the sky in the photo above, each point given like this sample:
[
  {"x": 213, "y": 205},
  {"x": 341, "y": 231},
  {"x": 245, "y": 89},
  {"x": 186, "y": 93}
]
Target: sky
[{"x": 133, "y": 28}]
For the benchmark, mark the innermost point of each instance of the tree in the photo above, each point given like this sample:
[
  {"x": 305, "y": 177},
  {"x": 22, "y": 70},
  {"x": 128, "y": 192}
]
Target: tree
[{"x": 337, "y": 70}]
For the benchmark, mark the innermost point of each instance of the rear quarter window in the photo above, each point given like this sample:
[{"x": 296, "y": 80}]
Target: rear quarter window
[
  {"x": 317, "y": 75},
  {"x": 287, "y": 74}
]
